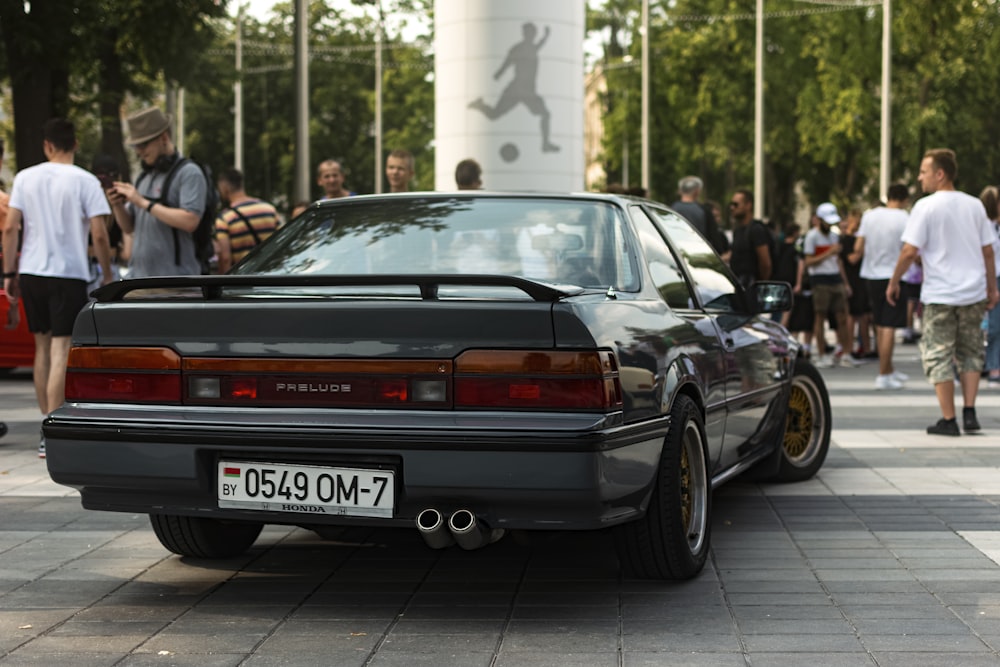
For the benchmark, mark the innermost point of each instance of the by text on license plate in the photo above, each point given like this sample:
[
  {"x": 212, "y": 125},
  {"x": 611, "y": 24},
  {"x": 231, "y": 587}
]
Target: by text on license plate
[{"x": 277, "y": 487}]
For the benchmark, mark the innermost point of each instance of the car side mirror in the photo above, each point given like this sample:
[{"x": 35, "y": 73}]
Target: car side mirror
[{"x": 772, "y": 296}]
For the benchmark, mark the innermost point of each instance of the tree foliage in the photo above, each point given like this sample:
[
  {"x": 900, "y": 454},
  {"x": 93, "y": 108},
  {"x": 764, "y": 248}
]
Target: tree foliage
[
  {"x": 822, "y": 82},
  {"x": 77, "y": 57}
]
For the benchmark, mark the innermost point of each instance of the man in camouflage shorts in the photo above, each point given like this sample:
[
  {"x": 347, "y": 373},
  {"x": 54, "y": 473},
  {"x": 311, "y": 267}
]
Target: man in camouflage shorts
[{"x": 952, "y": 234}]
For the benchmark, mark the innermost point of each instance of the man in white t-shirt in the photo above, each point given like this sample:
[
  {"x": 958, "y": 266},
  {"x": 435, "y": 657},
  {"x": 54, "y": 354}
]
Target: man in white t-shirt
[
  {"x": 952, "y": 235},
  {"x": 57, "y": 204},
  {"x": 879, "y": 242}
]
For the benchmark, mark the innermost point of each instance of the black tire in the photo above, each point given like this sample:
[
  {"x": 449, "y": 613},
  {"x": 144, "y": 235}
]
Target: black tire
[
  {"x": 672, "y": 540},
  {"x": 806, "y": 438},
  {"x": 204, "y": 538}
]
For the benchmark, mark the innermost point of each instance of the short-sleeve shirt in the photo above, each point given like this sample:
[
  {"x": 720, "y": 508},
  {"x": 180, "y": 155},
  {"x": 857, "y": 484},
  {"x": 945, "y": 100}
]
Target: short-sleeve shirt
[
  {"x": 950, "y": 229},
  {"x": 56, "y": 202},
  {"x": 818, "y": 243},
  {"x": 260, "y": 214},
  {"x": 882, "y": 229},
  {"x": 746, "y": 239},
  {"x": 154, "y": 250}
]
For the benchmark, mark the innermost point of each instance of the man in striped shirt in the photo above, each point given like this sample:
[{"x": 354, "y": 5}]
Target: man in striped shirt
[{"x": 245, "y": 222}]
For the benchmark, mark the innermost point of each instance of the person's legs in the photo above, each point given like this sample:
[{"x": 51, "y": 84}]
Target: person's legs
[
  {"x": 42, "y": 369},
  {"x": 945, "y": 392},
  {"x": 886, "y": 343},
  {"x": 821, "y": 308},
  {"x": 56, "y": 391},
  {"x": 993, "y": 342},
  {"x": 819, "y": 340},
  {"x": 969, "y": 358},
  {"x": 937, "y": 350}
]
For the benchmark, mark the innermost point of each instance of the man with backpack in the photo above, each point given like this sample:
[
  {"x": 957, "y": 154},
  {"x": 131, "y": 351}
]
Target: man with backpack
[
  {"x": 243, "y": 224},
  {"x": 167, "y": 207}
]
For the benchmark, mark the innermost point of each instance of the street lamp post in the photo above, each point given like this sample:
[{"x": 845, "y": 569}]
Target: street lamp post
[
  {"x": 758, "y": 117},
  {"x": 238, "y": 94},
  {"x": 302, "y": 100},
  {"x": 378, "y": 101},
  {"x": 645, "y": 97},
  {"x": 885, "y": 149}
]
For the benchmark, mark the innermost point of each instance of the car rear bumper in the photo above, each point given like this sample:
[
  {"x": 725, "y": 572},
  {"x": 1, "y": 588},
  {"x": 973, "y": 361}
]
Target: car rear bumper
[{"x": 513, "y": 471}]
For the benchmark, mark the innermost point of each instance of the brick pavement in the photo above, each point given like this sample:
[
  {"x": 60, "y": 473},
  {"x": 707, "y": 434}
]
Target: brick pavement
[{"x": 889, "y": 557}]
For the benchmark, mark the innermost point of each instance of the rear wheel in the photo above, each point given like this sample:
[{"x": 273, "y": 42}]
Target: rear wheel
[
  {"x": 204, "y": 538},
  {"x": 672, "y": 540},
  {"x": 807, "y": 425}
]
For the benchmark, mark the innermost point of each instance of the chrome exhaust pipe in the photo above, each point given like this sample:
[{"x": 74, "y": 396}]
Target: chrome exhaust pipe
[
  {"x": 469, "y": 532},
  {"x": 434, "y": 529}
]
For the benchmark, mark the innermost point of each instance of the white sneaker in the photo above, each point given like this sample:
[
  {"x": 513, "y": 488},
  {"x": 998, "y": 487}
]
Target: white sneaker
[
  {"x": 847, "y": 361},
  {"x": 883, "y": 382},
  {"x": 825, "y": 361},
  {"x": 899, "y": 376}
]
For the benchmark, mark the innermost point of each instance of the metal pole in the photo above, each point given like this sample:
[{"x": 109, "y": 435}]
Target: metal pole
[
  {"x": 378, "y": 102},
  {"x": 179, "y": 144},
  {"x": 302, "y": 181},
  {"x": 758, "y": 117},
  {"x": 625, "y": 144},
  {"x": 885, "y": 151},
  {"x": 645, "y": 97},
  {"x": 238, "y": 94}
]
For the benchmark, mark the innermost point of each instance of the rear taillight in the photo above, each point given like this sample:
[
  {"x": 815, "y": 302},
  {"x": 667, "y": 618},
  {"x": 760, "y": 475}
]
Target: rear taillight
[
  {"x": 477, "y": 379},
  {"x": 537, "y": 380},
  {"x": 126, "y": 374}
]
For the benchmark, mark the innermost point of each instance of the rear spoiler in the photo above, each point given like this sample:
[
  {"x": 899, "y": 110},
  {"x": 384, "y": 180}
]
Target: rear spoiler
[{"x": 212, "y": 287}]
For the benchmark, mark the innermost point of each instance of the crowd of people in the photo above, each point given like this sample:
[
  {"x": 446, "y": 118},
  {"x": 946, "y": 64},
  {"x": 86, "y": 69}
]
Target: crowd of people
[
  {"x": 869, "y": 275},
  {"x": 871, "y": 272}
]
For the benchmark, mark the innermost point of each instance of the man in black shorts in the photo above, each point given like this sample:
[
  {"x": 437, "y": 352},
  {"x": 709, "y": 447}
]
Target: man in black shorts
[
  {"x": 57, "y": 204},
  {"x": 879, "y": 240}
]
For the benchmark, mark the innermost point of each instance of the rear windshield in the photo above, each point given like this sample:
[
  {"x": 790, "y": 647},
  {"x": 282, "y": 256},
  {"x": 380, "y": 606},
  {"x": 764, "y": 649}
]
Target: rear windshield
[{"x": 561, "y": 241}]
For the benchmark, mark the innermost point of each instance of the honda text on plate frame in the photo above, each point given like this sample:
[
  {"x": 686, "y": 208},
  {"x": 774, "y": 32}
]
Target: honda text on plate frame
[{"x": 306, "y": 489}]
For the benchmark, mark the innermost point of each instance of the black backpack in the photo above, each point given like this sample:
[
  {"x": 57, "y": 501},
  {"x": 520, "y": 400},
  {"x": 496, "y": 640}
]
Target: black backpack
[{"x": 205, "y": 231}]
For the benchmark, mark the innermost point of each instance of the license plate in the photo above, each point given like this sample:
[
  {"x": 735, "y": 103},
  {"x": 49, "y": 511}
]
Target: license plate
[{"x": 277, "y": 487}]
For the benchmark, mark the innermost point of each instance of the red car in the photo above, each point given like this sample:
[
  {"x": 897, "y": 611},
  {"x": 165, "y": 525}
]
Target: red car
[{"x": 17, "y": 345}]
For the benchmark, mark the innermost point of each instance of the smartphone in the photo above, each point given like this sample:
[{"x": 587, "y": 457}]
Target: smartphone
[{"x": 107, "y": 180}]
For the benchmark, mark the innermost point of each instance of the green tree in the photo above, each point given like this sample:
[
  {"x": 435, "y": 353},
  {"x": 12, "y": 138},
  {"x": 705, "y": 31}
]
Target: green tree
[{"x": 66, "y": 58}]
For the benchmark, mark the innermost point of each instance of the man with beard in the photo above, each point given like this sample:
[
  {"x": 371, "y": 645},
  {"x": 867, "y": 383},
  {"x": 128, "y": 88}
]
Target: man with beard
[
  {"x": 162, "y": 222},
  {"x": 752, "y": 250}
]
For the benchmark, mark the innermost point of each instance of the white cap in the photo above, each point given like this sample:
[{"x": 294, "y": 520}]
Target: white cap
[{"x": 828, "y": 212}]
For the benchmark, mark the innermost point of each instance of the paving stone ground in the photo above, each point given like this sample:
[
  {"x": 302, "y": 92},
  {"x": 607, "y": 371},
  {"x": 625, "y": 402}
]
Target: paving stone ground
[{"x": 888, "y": 557}]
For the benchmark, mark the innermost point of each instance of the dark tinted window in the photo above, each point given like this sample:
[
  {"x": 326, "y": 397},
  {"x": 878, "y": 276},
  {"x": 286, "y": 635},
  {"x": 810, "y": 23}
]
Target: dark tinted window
[
  {"x": 556, "y": 240},
  {"x": 663, "y": 268},
  {"x": 712, "y": 281}
]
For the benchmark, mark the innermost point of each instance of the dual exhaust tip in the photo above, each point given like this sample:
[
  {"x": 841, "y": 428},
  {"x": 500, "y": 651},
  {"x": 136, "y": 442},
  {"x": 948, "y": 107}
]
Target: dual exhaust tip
[{"x": 461, "y": 528}]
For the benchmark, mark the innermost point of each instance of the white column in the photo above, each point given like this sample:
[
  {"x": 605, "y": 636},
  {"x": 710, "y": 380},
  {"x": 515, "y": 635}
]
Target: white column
[{"x": 524, "y": 124}]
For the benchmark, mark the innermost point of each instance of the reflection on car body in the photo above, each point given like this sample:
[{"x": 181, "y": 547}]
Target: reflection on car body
[{"x": 467, "y": 364}]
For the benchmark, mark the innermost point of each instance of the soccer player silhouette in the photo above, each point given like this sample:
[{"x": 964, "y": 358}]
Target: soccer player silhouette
[{"x": 523, "y": 57}]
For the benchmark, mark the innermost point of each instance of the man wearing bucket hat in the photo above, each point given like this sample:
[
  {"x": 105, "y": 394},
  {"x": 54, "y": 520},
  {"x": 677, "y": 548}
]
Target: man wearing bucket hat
[{"x": 161, "y": 222}]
